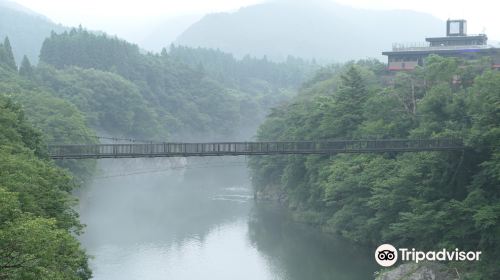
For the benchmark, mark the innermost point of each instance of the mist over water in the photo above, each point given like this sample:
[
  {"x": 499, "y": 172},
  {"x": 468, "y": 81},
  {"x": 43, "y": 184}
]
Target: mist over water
[{"x": 196, "y": 219}]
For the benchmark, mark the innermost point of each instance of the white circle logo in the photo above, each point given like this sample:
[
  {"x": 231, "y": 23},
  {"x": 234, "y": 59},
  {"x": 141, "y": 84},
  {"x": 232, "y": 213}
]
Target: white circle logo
[{"x": 386, "y": 255}]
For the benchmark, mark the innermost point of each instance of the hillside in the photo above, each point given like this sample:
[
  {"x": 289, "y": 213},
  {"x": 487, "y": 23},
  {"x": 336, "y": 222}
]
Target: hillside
[
  {"x": 187, "y": 92},
  {"x": 165, "y": 32},
  {"x": 38, "y": 222},
  {"x": 319, "y": 29},
  {"x": 25, "y": 29},
  {"x": 416, "y": 200}
]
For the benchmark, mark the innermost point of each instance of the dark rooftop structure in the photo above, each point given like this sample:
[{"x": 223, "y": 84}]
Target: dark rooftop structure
[{"x": 456, "y": 43}]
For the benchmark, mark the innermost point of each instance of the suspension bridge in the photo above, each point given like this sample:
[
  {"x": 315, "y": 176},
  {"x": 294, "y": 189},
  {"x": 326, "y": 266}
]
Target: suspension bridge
[{"x": 167, "y": 149}]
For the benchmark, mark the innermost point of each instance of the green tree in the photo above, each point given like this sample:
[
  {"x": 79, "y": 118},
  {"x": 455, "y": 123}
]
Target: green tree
[
  {"x": 347, "y": 111},
  {"x": 212, "y": 86},
  {"x": 6, "y": 54},
  {"x": 37, "y": 221},
  {"x": 56, "y": 120},
  {"x": 35, "y": 248},
  {"x": 420, "y": 200},
  {"x": 26, "y": 70}
]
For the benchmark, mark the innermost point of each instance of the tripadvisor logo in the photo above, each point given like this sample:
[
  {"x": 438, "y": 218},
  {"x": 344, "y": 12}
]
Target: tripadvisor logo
[{"x": 387, "y": 255}]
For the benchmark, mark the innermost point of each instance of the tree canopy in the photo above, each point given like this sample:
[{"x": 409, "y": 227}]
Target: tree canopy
[
  {"x": 190, "y": 93},
  {"x": 426, "y": 200},
  {"x": 37, "y": 221}
]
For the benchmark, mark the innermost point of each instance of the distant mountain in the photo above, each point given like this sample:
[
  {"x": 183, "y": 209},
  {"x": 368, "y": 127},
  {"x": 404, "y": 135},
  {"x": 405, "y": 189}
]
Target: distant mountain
[
  {"x": 317, "y": 29},
  {"x": 26, "y": 29},
  {"x": 165, "y": 33}
]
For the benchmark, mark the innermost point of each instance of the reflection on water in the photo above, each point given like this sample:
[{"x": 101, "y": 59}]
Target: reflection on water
[
  {"x": 202, "y": 223},
  {"x": 301, "y": 252}
]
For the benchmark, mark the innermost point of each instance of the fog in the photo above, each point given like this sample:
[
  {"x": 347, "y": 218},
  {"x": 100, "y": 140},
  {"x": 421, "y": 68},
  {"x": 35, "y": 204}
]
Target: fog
[
  {"x": 197, "y": 219},
  {"x": 76, "y": 73},
  {"x": 154, "y": 24}
]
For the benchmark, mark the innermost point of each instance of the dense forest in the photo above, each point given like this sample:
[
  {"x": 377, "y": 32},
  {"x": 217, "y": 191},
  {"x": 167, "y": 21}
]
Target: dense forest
[
  {"x": 427, "y": 200},
  {"x": 59, "y": 120},
  {"x": 249, "y": 74},
  {"x": 186, "y": 93},
  {"x": 73, "y": 100},
  {"x": 37, "y": 222},
  {"x": 87, "y": 85}
]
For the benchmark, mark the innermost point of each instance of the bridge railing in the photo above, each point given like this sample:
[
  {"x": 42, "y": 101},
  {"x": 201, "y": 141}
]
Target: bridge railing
[{"x": 250, "y": 148}]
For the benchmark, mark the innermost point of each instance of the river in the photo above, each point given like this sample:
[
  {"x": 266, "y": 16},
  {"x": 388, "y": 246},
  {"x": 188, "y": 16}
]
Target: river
[{"x": 201, "y": 222}]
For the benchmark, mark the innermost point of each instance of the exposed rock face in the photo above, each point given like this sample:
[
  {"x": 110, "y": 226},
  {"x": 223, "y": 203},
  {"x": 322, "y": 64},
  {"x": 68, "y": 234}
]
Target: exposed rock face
[{"x": 421, "y": 271}]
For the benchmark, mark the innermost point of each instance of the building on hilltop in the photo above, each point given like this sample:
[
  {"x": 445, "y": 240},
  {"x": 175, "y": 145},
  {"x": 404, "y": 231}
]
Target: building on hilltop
[{"x": 456, "y": 44}]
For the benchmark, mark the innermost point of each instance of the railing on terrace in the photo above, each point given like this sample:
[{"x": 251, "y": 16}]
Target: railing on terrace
[{"x": 421, "y": 46}]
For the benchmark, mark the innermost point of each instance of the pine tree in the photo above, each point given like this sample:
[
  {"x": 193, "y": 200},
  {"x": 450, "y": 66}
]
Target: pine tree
[
  {"x": 164, "y": 52},
  {"x": 8, "y": 55},
  {"x": 26, "y": 70},
  {"x": 349, "y": 103}
]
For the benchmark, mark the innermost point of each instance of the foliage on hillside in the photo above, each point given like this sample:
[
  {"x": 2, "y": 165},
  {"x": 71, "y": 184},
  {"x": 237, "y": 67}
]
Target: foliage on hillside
[
  {"x": 109, "y": 102},
  {"x": 59, "y": 120},
  {"x": 425, "y": 200},
  {"x": 245, "y": 73},
  {"x": 190, "y": 93},
  {"x": 37, "y": 221},
  {"x": 185, "y": 100}
]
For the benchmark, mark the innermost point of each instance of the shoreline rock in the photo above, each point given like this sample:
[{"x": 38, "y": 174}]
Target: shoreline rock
[{"x": 420, "y": 271}]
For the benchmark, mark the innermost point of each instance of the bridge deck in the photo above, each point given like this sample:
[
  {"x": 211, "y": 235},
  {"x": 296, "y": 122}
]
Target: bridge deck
[{"x": 250, "y": 148}]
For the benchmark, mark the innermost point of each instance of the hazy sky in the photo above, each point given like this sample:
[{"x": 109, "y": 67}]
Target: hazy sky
[{"x": 123, "y": 16}]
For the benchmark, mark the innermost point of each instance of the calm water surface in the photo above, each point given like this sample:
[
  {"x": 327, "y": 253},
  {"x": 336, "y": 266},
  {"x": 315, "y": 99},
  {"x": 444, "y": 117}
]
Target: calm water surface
[{"x": 202, "y": 223}]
